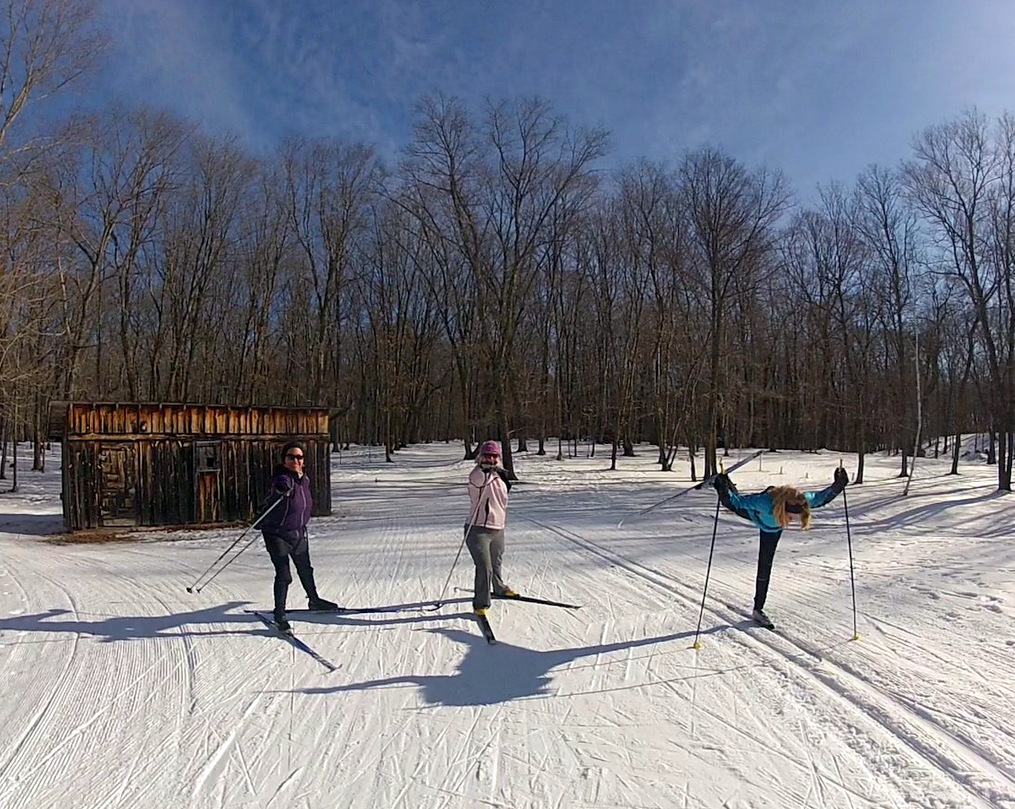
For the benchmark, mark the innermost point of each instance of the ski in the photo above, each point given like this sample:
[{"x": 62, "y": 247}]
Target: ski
[
  {"x": 529, "y": 599},
  {"x": 746, "y": 459},
  {"x": 351, "y": 610},
  {"x": 289, "y": 636},
  {"x": 486, "y": 629},
  {"x": 804, "y": 646},
  {"x": 696, "y": 487},
  {"x": 416, "y": 606},
  {"x": 546, "y": 601}
]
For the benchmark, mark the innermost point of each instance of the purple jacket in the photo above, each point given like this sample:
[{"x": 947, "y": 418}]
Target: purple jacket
[{"x": 288, "y": 520}]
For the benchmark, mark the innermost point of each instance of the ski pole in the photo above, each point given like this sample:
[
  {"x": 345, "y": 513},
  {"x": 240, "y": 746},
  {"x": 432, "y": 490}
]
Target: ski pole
[
  {"x": 472, "y": 523},
  {"x": 708, "y": 571},
  {"x": 849, "y": 545},
  {"x": 235, "y": 557},
  {"x": 695, "y": 487},
  {"x": 194, "y": 588}
]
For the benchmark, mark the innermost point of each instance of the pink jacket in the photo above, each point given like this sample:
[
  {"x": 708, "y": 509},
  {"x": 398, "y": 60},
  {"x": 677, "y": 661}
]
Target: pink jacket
[{"x": 488, "y": 496}]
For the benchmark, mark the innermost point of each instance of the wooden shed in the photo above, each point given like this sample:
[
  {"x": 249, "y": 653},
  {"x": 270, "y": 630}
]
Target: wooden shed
[{"x": 179, "y": 464}]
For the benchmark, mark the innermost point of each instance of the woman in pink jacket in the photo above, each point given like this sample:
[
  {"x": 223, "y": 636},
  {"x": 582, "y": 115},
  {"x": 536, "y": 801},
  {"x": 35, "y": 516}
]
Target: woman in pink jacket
[{"x": 489, "y": 485}]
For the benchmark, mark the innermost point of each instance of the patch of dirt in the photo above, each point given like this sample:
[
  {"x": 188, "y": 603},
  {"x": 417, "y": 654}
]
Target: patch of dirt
[{"x": 160, "y": 533}]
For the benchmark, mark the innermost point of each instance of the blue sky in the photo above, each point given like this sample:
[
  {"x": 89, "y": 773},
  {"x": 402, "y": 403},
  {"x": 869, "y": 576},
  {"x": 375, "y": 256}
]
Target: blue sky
[{"x": 817, "y": 88}]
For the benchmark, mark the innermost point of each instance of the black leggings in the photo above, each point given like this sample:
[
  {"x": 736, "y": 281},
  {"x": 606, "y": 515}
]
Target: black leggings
[
  {"x": 280, "y": 550},
  {"x": 766, "y": 553}
]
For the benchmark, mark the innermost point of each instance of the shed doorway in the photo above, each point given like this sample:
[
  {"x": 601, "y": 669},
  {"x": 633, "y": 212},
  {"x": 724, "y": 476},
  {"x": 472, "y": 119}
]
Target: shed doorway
[
  {"x": 117, "y": 485},
  {"x": 207, "y": 480}
]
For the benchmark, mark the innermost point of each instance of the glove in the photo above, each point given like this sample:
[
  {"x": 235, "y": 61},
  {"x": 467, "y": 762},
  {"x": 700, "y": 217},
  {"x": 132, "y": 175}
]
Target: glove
[
  {"x": 282, "y": 486},
  {"x": 722, "y": 484},
  {"x": 841, "y": 478},
  {"x": 506, "y": 476}
]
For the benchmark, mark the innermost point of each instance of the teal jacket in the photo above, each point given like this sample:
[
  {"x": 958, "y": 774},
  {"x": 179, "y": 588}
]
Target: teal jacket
[{"x": 758, "y": 508}]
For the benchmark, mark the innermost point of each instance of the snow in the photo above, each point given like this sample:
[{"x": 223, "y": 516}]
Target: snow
[{"x": 120, "y": 689}]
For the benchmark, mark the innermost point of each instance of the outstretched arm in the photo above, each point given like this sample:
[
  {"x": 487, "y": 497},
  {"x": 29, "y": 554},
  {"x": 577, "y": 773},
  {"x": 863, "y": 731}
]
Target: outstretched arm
[
  {"x": 739, "y": 504},
  {"x": 825, "y": 496},
  {"x": 282, "y": 485}
]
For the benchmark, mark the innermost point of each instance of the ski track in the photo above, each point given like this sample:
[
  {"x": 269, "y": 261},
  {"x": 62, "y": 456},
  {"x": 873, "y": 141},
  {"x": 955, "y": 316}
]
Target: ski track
[
  {"x": 216, "y": 761},
  {"x": 174, "y": 699},
  {"x": 36, "y": 725},
  {"x": 141, "y": 681},
  {"x": 912, "y": 726}
]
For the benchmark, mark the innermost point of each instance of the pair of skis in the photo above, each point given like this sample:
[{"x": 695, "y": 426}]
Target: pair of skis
[
  {"x": 528, "y": 600},
  {"x": 484, "y": 621}
]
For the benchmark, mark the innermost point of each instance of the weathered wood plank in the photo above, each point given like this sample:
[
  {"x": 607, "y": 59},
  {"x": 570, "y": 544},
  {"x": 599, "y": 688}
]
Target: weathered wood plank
[{"x": 174, "y": 464}]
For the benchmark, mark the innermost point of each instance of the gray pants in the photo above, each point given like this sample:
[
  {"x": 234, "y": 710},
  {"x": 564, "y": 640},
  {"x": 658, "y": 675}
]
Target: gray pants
[{"x": 486, "y": 546}]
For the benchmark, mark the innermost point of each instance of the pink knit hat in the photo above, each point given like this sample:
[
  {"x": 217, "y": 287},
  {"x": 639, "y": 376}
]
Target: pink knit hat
[{"x": 490, "y": 448}]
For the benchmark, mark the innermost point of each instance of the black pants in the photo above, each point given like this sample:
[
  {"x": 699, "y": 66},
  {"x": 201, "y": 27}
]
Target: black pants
[
  {"x": 766, "y": 553},
  {"x": 280, "y": 550}
]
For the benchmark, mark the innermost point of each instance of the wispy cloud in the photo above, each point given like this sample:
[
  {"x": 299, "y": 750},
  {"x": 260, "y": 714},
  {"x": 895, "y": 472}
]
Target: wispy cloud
[
  {"x": 172, "y": 55},
  {"x": 818, "y": 89}
]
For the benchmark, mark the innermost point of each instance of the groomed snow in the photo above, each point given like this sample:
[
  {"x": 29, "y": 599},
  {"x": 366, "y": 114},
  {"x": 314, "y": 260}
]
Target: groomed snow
[{"x": 120, "y": 689}]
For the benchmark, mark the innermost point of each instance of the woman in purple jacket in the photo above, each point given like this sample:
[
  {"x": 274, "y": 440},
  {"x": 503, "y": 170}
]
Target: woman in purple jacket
[{"x": 285, "y": 531}]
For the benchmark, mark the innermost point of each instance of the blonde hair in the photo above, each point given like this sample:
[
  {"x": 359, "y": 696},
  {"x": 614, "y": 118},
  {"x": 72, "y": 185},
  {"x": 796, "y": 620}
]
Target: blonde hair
[{"x": 783, "y": 496}]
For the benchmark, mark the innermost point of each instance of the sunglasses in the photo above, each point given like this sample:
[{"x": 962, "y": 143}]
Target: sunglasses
[{"x": 294, "y": 457}]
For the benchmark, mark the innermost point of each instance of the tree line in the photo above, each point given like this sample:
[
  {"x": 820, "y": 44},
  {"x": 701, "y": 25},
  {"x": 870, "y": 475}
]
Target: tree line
[{"x": 494, "y": 279}]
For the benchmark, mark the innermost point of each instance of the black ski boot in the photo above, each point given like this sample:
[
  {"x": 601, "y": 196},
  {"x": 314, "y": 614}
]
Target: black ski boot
[
  {"x": 322, "y": 605},
  {"x": 762, "y": 620},
  {"x": 281, "y": 624}
]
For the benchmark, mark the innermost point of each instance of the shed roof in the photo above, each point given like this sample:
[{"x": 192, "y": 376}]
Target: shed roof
[{"x": 140, "y": 419}]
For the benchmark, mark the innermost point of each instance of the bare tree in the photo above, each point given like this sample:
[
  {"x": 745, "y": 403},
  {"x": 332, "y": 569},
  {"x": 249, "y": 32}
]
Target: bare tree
[
  {"x": 26, "y": 298},
  {"x": 958, "y": 182},
  {"x": 265, "y": 255},
  {"x": 492, "y": 194},
  {"x": 329, "y": 188},
  {"x": 889, "y": 229},
  {"x": 44, "y": 46},
  {"x": 134, "y": 164},
  {"x": 732, "y": 215},
  {"x": 403, "y": 328},
  {"x": 441, "y": 194},
  {"x": 656, "y": 231},
  {"x": 195, "y": 288},
  {"x": 620, "y": 287},
  {"x": 537, "y": 162}
]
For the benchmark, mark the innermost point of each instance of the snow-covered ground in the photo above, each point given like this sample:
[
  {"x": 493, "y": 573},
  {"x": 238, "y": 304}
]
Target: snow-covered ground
[{"x": 120, "y": 689}]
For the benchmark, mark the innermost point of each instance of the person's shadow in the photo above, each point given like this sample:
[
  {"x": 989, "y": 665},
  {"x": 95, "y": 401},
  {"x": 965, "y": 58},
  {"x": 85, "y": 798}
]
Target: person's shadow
[
  {"x": 39, "y": 525},
  {"x": 131, "y": 627},
  {"x": 489, "y": 675},
  {"x": 189, "y": 624}
]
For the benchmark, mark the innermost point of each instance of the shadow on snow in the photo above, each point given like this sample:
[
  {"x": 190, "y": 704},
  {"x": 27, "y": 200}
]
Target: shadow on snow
[
  {"x": 132, "y": 627},
  {"x": 489, "y": 675}
]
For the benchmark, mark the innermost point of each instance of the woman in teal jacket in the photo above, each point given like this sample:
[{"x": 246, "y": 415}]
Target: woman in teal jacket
[{"x": 773, "y": 510}]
